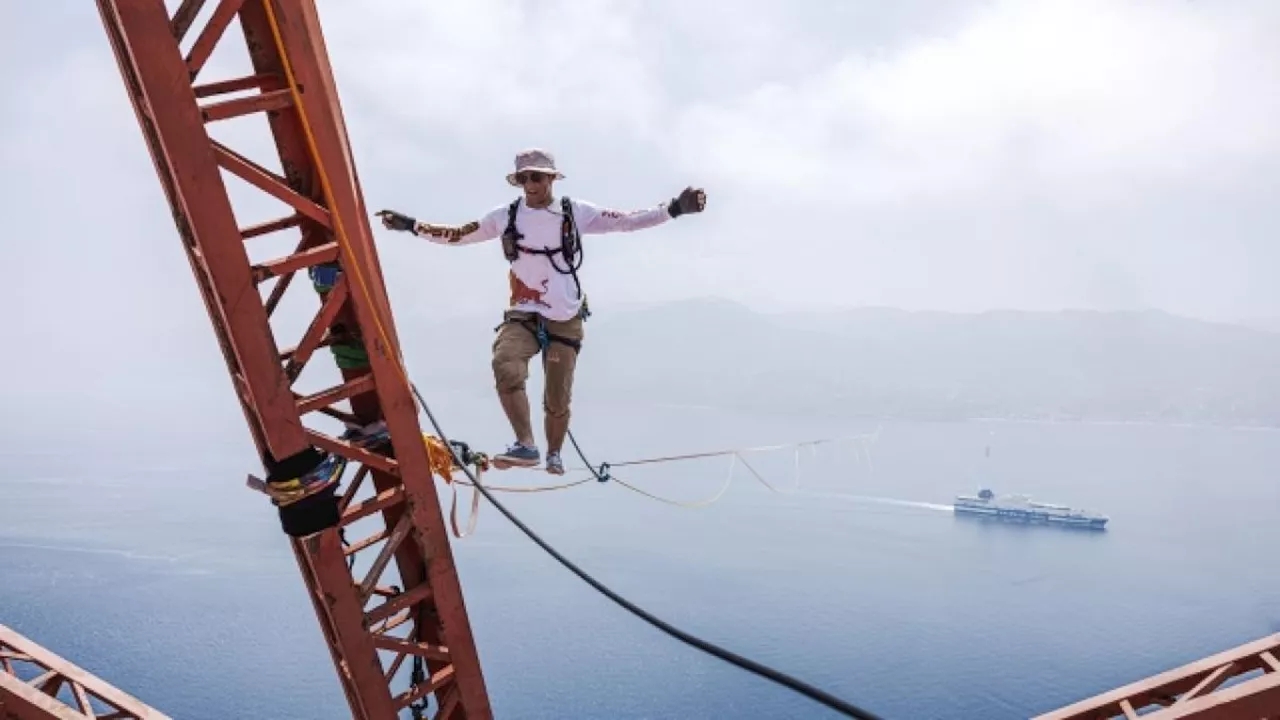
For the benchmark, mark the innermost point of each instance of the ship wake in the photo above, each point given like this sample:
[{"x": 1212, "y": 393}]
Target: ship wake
[{"x": 872, "y": 499}]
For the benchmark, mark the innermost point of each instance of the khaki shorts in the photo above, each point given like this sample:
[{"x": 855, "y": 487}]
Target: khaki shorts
[{"x": 516, "y": 345}]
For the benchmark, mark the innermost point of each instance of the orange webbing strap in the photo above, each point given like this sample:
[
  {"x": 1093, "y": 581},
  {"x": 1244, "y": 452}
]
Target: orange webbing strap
[
  {"x": 453, "y": 512},
  {"x": 441, "y": 459},
  {"x": 442, "y": 464}
]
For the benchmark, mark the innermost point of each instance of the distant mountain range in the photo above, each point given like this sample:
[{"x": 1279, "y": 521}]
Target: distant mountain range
[
  {"x": 1268, "y": 324},
  {"x": 888, "y": 363}
]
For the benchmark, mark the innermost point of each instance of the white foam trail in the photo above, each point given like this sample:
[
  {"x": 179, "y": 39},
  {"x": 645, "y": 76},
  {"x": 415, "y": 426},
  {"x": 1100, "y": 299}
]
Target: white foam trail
[
  {"x": 77, "y": 481},
  {"x": 127, "y": 554},
  {"x": 880, "y": 500}
]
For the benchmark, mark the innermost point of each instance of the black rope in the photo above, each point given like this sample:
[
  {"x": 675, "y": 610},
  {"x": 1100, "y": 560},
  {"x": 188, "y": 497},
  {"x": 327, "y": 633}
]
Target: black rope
[
  {"x": 769, "y": 673},
  {"x": 416, "y": 677},
  {"x": 351, "y": 559},
  {"x": 602, "y": 474}
]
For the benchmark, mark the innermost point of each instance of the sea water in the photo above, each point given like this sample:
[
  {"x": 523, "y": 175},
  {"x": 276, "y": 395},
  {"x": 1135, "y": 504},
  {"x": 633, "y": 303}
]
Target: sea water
[{"x": 158, "y": 570}]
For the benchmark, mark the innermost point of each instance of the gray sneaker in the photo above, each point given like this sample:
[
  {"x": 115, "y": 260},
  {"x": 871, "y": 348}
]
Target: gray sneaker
[
  {"x": 517, "y": 455},
  {"x": 555, "y": 465}
]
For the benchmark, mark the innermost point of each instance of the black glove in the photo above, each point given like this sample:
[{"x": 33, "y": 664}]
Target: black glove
[
  {"x": 393, "y": 220},
  {"x": 688, "y": 201}
]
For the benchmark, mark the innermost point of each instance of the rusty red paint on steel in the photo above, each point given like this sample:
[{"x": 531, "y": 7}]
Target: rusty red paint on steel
[
  {"x": 340, "y": 606},
  {"x": 304, "y": 40},
  {"x": 315, "y": 333},
  {"x": 261, "y": 81},
  {"x": 1192, "y": 691},
  {"x": 301, "y": 175},
  {"x": 379, "y": 565},
  {"x": 419, "y": 595},
  {"x": 303, "y": 557},
  {"x": 239, "y": 107},
  {"x": 304, "y": 44},
  {"x": 326, "y": 573},
  {"x": 271, "y": 226},
  {"x": 319, "y": 255},
  {"x": 184, "y": 16},
  {"x": 166, "y": 106},
  {"x": 377, "y": 461},
  {"x": 35, "y": 694},
  {"x": 267, "y": 181},
  {"x": 211, "y": 34},
  {"x": 329, "y": 396}
]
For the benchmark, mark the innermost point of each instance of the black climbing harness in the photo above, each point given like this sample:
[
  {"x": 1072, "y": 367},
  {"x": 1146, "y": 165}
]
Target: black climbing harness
[
  {"x": 537, "y": 326},
  {"x": 570, "y": 249}
]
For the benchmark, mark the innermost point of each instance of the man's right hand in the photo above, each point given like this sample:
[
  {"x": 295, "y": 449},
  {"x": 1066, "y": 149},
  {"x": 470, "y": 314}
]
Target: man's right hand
[{"x": 393, "y": 220}]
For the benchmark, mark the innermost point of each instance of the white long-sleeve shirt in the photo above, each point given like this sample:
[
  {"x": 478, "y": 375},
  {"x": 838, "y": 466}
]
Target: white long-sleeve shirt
[{"x": 536, "y": 286}]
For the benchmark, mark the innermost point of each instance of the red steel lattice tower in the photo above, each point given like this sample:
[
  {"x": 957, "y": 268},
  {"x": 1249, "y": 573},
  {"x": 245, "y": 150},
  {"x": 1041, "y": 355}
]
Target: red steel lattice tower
[
  {"x": 1242, "y": 683},
  {"x": 292, "y": 85},
  {"x": 372, "y": 628},
  {"x": 36, "y": 684}
]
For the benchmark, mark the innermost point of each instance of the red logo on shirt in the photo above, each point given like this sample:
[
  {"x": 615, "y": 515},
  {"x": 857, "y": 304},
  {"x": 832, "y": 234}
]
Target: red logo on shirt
[{"x": 521, "y": 293}]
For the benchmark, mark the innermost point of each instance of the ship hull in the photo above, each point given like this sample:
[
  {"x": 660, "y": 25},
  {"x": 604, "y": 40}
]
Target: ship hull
[{"x": 1030, "y": 517}]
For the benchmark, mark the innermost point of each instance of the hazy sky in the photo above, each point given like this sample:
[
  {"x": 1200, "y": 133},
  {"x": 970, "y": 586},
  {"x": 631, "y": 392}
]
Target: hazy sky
[
  {"x": 926, "y": 154},
  {"x": 961, "y": 155}
]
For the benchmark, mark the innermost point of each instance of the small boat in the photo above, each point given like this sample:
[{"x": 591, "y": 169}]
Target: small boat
[{"x": 1020, "y": 508}]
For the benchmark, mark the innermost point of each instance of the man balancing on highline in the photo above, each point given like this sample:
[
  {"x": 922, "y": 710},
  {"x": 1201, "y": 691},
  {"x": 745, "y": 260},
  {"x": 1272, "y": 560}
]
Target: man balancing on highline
[{"x": 541, "y": 239}]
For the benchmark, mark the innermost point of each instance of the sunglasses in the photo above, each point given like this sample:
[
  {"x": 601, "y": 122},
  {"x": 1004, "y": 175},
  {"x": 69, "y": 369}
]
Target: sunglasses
[{"x": 528, "y": 177}]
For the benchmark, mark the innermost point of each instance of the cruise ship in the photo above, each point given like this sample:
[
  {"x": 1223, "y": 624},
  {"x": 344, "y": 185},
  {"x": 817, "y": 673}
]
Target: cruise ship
[{"x": 1020, "y": 508}]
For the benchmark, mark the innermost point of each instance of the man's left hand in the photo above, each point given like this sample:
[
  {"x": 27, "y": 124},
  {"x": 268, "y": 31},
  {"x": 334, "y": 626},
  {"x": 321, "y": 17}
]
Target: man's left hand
[{"x": 690, "y": 200}]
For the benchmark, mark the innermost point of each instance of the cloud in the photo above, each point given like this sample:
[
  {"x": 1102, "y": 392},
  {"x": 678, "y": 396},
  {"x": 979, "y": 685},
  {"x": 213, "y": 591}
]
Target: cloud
[
  {"x": 1034, "y": 154},
  {"x": 496, "y": 66},
  {"x": 929, "y": 154},
  {"x": 953, "y": 155},
  {"x": 1062, "y": 93}
]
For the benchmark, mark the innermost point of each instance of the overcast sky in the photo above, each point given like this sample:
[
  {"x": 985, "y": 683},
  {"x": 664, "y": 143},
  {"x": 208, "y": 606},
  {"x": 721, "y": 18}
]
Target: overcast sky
[
  {"x": 962, "y": 155},
  {"x": 925, "y": 154}
]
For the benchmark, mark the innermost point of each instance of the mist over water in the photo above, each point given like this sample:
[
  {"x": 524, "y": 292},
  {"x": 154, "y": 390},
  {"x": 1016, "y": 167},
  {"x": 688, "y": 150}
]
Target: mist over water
[
  {"x": 859, "y": 581},
  {"x": 1055, "y": 210}
]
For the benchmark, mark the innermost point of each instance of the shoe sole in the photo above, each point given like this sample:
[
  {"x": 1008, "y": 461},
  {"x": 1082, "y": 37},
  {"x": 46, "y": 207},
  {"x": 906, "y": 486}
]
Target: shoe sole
[
  {"x": 555, "y": 471},
  {"x": 502, "y": 463}
]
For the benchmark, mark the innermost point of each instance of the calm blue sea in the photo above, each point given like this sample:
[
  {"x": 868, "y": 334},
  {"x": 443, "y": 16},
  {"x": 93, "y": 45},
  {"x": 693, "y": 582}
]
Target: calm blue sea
[{"x": 157, "y": 569}]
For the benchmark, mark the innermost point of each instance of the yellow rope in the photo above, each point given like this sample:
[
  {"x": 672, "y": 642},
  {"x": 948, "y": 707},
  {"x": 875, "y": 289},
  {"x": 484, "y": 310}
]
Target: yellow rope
[
  {"x": 532, "y": 488},
  {"x": 339, "y": 229}
]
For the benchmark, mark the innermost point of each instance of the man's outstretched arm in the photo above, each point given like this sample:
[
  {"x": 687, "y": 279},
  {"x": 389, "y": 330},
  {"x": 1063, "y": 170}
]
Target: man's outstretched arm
[
  {"x": 599, "y": 220},
  {"x": 487, "y": 228}
]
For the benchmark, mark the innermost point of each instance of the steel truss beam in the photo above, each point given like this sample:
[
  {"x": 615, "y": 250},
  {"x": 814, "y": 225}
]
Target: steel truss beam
[
  {"x": 365, "y": 621},
  {"x": 372, "y": 627},
  {"x": 36, "y": 684},
  {"x": 1239, "y": 684}
]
